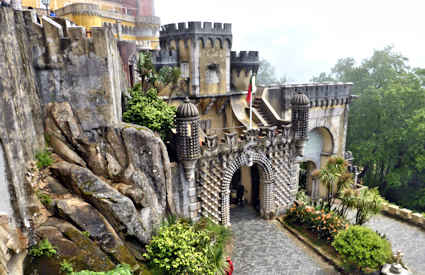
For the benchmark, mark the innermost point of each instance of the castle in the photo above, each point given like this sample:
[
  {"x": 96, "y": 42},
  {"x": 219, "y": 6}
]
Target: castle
[{"x": 62, "y": 87}]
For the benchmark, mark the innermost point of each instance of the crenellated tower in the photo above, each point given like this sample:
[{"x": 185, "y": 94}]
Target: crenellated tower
[
  {"x": 203, "y": 52},
  {"x": 243, "y": 65}
]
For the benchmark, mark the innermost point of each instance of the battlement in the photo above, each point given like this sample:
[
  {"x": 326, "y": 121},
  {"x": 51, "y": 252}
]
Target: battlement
[
  {"x": 320, "y": 94},
  {"x": 197, "y": 28},
  {"x": 164, "y": 58},
  {"x": 245, "y": 60},
  {"x": 244, "y": 57}
]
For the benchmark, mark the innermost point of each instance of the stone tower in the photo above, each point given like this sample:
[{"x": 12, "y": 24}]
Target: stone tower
[
  {"x": 300, "y": 117},
  {"x": 204, "y": 54},
  {"x": 188, "y": 148},
  {"x": 243, "y": 65}
]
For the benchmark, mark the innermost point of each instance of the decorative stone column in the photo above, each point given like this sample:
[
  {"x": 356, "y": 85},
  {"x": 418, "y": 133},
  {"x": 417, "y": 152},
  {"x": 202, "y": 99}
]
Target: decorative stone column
[
  {"x": 300, "y": 117},
  {"x": 188, "y": 152},
  {"x": 188, "y": 149}
]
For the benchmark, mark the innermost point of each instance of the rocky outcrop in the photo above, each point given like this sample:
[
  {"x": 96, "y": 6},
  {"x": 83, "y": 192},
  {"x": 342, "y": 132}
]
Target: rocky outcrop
[
  {"x": 108, "y": 189},
  {"x": 110, "y": 182}
]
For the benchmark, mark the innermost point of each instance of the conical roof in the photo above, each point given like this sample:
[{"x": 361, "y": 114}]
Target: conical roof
[
  {"x": 187, "y": 109},
  {"x": 300, "y": 99}
]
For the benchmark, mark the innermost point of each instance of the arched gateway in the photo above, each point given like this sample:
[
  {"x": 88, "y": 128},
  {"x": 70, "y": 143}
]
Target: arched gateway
[
  {"x": 248, "y": 159},
  {"x": 204, "y": 185}
]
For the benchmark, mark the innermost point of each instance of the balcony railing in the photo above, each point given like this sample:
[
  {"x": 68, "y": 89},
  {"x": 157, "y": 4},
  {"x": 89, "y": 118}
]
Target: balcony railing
[{"x": 122, "y": 14}]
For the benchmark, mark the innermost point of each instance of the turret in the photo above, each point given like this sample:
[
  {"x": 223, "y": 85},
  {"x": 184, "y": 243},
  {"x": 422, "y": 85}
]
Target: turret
[
  {"x": 188, "y": 148},
  {"x": 204, "y": 54},
  {"x": 300, "y": 117},
  {"x": 243, "y": 65}
]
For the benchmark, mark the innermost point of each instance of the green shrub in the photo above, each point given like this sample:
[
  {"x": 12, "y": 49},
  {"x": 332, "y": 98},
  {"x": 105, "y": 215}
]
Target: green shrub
[
  {"x": 119, "y": 270},
  {"x": 367, "y": 202},
  {"x": 44, "y": 247},
  {"x": 183, "y": 248},
  {"x": 362, "y": 248},
  {"x": 147, "y": 109},
  {"x": 44, "y": 198},
  {"x": 66, "y": 267},
  {"x": 44, "y": 159},
  {"x": 324, "y": 225}
]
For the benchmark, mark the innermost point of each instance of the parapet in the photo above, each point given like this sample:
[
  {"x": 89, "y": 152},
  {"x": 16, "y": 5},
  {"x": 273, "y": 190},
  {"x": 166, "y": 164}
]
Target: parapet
[
  {"x": 164, "y": 58},
  {"x": 247, "y": 61},
  {"x": 320, "y": 94},
  {"x": 196, "y": 30}
]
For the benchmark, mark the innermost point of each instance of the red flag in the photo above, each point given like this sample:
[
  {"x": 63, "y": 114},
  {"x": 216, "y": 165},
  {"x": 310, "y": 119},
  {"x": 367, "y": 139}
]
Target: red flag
[{"x": 249, "y": 96}]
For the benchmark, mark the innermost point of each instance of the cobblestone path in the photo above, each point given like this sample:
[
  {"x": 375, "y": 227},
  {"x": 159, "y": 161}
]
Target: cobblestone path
[
  {"x": 405, "y": 237},
  {"x": 261, "y": 248}
]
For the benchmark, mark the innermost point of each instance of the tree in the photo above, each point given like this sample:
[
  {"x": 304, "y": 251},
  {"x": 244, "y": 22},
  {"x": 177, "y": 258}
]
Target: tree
[
  {"x": 144, "y": 107},
  {"x": 266, "y": 74},
  {"x": 386, "y": 123}
]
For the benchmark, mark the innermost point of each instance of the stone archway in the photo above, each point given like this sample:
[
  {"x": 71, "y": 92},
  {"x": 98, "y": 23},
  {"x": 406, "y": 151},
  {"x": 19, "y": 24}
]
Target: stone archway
[{"x": 248, "y": 158}]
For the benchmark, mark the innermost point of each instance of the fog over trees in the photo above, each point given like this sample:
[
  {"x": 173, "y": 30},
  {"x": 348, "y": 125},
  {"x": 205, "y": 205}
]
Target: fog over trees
[{"x": 387, "y": 123}]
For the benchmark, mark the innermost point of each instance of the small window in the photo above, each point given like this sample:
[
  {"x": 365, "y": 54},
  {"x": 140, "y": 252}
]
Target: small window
[{"x": 184, "y": 68}]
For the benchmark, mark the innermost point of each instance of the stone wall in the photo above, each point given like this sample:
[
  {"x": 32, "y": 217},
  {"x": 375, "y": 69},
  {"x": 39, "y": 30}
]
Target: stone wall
[
  {"x": 21, "y": 133},
  {"x": 61, "y": 89}
]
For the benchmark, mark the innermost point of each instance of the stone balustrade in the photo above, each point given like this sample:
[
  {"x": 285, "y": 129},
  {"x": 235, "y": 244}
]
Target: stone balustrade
[
  {"x": 404, "y": 214},
  {"x": 95, "y": 10}
]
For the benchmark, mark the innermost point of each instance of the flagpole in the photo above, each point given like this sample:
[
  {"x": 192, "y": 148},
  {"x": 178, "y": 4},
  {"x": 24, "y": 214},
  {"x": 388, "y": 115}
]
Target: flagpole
[{"x": 250, "y": 112}]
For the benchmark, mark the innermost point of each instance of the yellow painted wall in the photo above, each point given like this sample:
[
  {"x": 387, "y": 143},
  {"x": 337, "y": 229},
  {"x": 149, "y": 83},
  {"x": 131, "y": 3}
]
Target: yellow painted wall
[
  {"x": 212, "y": 53},
  {"x": 247, "y": 183},
  {"x": 57, "y": 4},
  {"x": 240, "y": 81}
]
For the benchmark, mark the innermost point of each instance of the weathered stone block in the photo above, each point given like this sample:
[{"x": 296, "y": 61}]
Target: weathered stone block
[
  {"x": 405, "y": 214},
  {"x": 385, "y": 207},
  {"x": 418, "y": 219},
  {"x": 393, "y": 209}
]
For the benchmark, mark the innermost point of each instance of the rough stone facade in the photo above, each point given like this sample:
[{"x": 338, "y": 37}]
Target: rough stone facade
[{"x": 61, "y": 89}]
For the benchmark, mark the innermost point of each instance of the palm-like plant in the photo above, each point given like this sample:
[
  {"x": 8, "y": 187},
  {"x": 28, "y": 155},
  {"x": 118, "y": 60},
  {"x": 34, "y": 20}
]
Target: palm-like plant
[
  {"x": 367, "y": 202},
  {"x": 335, "y": 177}
]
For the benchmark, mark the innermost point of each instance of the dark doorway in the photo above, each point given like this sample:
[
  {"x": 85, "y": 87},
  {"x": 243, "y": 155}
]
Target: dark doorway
[
  {"x": 255, "y": 193},
  {"x": 235, "y": 188},
  {"x": 245, "y": 187}
]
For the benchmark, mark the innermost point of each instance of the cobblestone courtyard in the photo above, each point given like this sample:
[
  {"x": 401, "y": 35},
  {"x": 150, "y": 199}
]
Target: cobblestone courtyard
[
  {"x": 405, "y": 237},
  {"x": 261, "y": 247}
]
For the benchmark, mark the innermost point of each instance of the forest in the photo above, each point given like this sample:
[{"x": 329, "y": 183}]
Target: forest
[{"x": 386, "y": 128}]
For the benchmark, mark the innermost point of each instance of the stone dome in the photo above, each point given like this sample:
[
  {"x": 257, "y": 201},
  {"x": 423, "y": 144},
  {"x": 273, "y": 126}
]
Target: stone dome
[
  {"x": 187, "y": 110},
  {"x": 300, "y": 99}
]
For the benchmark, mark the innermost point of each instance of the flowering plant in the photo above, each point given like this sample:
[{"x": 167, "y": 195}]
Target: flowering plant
[{"x": 325, "y": 225}]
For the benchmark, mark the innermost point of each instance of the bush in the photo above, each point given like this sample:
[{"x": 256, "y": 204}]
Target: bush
[
  {"x": 44, "y": 198},
  {"x": 362, "y": 248},
  {"x": 182, "y": 248},
  {"x": 44, "y": 247},
  {"x": 43, "y": 159},
  {"x": 147, "y": 109},
  {"x": 119, "y": 270},
  {"x": 325, "y": 225}
]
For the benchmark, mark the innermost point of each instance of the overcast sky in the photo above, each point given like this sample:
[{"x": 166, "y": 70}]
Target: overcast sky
[{"x": 303, "y": 38}]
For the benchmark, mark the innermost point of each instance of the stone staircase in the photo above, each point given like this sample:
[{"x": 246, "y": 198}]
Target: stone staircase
[{"x": 263, "y": 118}]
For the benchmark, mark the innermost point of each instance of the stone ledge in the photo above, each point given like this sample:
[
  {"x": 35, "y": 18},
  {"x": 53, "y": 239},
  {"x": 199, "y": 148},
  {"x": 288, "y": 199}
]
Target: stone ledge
[{"x": 404, "y": 215}]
